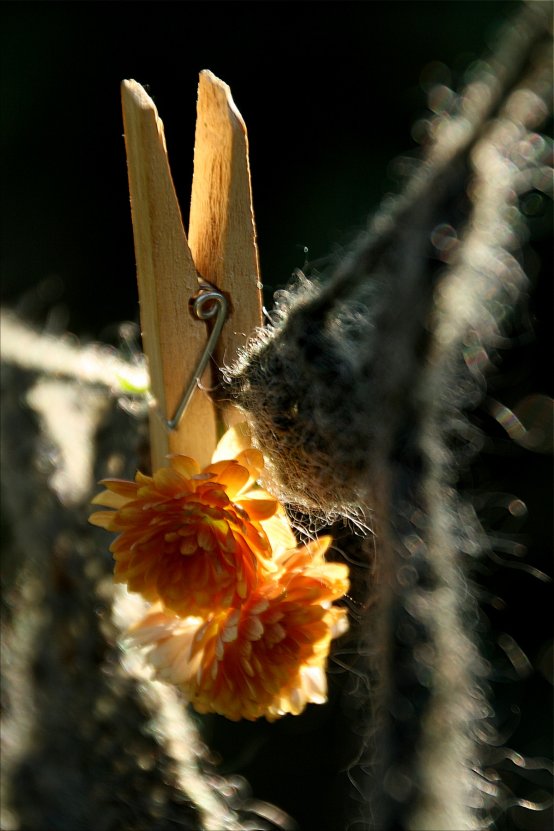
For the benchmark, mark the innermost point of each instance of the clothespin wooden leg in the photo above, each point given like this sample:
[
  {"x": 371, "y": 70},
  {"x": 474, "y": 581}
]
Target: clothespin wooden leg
[
  {"x": 222, "y": 251},
  {"x": 167, "y": 279},
  {"x": 222, "y": 232}
]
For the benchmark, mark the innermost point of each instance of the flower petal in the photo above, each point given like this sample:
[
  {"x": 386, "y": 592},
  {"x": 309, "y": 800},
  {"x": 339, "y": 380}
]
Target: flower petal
[
  {"x": 258, "y": 509},
  {"x": 122, "y": 486},
  {"x": 167, "y": 480},
  {"x": 233, "y": 442},
  {"x": 279, "y": 532},
  {"x": 253, "y": 461},
  {"x": 265, "y": 657},
  {"x": 109, "y": 499},
  {"x": 230, "y": 474},
  {"x": 184, "y": 465},
  {"x": 104, "y": 519},
  {"x": 311, "y": 554}
]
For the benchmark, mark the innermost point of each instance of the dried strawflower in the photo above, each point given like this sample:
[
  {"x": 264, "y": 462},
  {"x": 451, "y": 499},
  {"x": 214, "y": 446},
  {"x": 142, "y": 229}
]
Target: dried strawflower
[
  {"x": 243, "y": 617},
  {"x": 266, "y": 657},
  {"x": 194, "y": 539}
]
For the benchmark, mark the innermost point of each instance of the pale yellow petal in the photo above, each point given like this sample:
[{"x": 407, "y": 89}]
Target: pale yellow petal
[
  {"x": 230, "y": 474},
  {"x": 253, "y": 461},
  {"x": 167, "y": 480},
  {"x": 334, "y": 576},
  {"x": 314, "y": 684},
  {"x": 311, "y": 554},
  {"x": 258, "y": 509},
  {"x": 109, "y": 499},
  {"x": 121, "y": 486},
  {"x": 279, "y": 531},
  {"x": 233, "y": 442},
  {"x": 338, "y": 619},
  {"x": 317, "y": 548},
  {"x": 184, "y": 465},
  {"x": 103, "y": 519}
]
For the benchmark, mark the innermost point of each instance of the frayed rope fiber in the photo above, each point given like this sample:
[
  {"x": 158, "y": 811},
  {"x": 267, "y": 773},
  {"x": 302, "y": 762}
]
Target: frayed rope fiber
[{"x": 357, "y": 392}]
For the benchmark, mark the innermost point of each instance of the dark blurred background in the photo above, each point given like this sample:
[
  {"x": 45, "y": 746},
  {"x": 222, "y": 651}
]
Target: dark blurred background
[{"x": 330, "y": 93}]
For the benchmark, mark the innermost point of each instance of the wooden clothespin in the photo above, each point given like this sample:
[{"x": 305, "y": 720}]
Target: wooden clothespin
[{"x": 221, "y": 250}]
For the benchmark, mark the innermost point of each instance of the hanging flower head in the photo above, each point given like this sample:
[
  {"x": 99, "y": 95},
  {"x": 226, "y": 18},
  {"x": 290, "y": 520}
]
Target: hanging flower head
[
  {"x": 193, "y": 539},
  {"x": 243, "y": 616},
  {"x": 265, "y": 658}
]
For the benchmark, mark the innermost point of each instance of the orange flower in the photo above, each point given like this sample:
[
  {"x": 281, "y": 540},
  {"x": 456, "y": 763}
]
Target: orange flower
[
  {"x": 243, "y": 618},
  {"x": 194, "y": 540},
  {"x": 266, "y": 657}
]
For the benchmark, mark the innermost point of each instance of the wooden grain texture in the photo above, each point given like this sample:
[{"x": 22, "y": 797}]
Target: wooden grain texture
[
  {"x": 222, "y": 235},
  {"x": 167, "y": 278}
]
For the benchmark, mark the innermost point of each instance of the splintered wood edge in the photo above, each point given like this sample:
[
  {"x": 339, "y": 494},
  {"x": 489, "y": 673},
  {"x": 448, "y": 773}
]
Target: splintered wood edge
[
  {"x": 222, "y": 233},
  {"x": 167, "y": 278}
]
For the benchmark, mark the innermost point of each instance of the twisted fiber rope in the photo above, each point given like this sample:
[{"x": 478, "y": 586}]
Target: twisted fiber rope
[{"x": 355, "y": 393}]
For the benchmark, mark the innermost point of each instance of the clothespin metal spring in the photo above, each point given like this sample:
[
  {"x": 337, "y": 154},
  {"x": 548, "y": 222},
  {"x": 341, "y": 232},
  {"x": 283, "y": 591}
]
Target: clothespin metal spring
[{"x": 208, "y": 303}]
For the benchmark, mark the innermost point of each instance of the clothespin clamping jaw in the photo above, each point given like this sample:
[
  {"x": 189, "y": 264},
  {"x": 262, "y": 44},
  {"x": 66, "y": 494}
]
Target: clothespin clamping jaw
[{"x": 186, "y": 283}]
